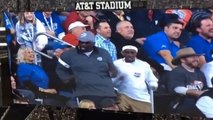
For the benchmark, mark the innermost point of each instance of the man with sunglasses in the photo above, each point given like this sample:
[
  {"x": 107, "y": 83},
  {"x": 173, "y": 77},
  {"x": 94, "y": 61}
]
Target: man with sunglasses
[{"x": 91, "y": 68}]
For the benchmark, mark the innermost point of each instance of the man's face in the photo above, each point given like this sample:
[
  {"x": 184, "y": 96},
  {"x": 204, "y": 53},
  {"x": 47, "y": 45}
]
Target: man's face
[
  {"x": 86, "y": 46},
  {"x": 104, "y": 30},
  {"x": 84, "y": 13},
  {"x": 129, "y": 55},
  {"x": 191, "y": 61},
  {"x": 206, "y": 28},
  {"x": 78, "y": 30},
  {"x": 126, "y": 30},
  {"x": 173, "y": 31}
]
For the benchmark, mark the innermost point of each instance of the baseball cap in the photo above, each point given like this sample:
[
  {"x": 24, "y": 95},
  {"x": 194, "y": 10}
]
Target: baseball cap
[
  {"x": 87, "y": 36},
  {"x": 76, "y": 24}
]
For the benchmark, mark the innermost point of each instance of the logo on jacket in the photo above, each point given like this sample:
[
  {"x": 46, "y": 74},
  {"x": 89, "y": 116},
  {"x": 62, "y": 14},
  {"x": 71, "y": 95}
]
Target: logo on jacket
[
  {"x": 99, "y": 58},
  {"x": 137, "y": 74}
]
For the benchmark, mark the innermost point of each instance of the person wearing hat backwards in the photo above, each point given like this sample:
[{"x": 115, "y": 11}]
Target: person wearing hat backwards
[
  {"x": 133, "y": 82},
  {"x": 91, "y": 68},
  {"x": 187, "y": 81}
]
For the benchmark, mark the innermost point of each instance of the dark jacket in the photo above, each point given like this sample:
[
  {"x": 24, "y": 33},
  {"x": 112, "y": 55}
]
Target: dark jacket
[{"x": 120, "y": 41}]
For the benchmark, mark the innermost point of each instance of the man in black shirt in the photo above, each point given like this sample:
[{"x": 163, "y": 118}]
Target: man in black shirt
[
  {"x": 187, "y": 81},
  {"x": 125, "y": 35},
  {"x": 91, "y": 68}
]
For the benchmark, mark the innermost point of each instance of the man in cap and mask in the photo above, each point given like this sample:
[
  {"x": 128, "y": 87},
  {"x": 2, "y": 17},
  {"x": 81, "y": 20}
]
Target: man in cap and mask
[
  {"x": 91, "y": 68},
  {"x": 187, "y": 81}
]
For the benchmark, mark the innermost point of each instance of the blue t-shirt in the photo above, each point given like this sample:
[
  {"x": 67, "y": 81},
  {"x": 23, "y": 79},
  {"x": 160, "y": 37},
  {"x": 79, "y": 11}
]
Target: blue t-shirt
[
  {"x": 33, "y": 73},
  {"x": 201, "y": 46},
  {"x": 157, "y": 42}
]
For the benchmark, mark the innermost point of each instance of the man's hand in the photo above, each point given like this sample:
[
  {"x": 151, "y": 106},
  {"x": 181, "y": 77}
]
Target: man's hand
[
  {"x": 140, "y": 40},
  {"x": 196, "y": 93},
  {"x": 51, "y": 91},
  {"x": 90, "y": 22},
  {"x": 58, "y": 52},
  {"x": 50, "y": 32}
]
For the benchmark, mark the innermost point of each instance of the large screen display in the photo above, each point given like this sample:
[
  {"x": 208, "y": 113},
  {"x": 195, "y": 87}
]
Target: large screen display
[{"x": 95, "y": 54}]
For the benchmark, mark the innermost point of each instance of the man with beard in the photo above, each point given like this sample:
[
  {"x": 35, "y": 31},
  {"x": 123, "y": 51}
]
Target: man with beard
[
  {"x": 91, "y": 68},
  {"x": 162, "y": 46},
  {"x": 202, "y": 43},
  {"x": 186, "y": 81},
  {"x": 133, "y": 82},
  {"x": 124, "y": 35}
]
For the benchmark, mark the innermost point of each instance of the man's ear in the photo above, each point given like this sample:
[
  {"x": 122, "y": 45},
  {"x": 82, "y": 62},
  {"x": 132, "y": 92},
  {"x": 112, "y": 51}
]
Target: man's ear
[
  {"x": 198, "y": 30},
  {"x": 122, "y": 53},
  {"x": 165, "y": 27},
  {"x": 118, "y": 30},
  {"x": 97, "y": 30},
  {"x": 182, "y": 60}
]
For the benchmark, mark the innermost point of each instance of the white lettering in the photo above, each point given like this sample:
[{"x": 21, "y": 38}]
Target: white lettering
[
  {"x": 111, "y": 5},
  {"x": 77, "y": 6},
  {"x": 84, "y": 6},
  {"x": 128, "y": 5}
]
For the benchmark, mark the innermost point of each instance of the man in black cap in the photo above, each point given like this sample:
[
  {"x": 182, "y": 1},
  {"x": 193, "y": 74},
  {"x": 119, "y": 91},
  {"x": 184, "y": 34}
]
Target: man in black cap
[
  {"x": 91, "y": 68},
  {"x": 187, "y": 81}
]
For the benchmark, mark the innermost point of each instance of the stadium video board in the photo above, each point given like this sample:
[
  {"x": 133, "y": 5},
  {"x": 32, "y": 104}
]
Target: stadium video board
[{"x": 41, "y": 61}]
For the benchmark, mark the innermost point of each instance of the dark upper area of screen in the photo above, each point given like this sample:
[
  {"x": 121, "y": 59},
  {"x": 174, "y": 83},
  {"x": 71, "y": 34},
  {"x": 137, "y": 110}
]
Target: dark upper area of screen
[{"x": 67, "y": 5}]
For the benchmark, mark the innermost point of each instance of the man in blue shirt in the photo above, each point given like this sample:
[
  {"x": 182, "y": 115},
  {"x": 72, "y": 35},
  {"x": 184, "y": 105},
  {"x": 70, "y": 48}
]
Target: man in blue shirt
[
  {"x": 202, "y": 42},
  {"x": 162, "y": 46},
  {"x": 102, "y": 38}
]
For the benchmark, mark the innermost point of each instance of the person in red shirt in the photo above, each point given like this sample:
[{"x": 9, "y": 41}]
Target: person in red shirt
[
  {"x": 75, "y": 29},
  {"x": 82, "y": 16}
]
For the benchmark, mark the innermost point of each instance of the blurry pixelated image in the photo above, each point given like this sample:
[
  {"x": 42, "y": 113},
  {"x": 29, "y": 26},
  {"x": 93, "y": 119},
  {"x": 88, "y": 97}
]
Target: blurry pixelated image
[{"x": 153, "y": 58}]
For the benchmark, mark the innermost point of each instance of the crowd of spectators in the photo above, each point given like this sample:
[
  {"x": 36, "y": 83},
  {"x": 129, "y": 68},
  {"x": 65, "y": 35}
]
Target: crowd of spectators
[{"x": 107, "y": 46}]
